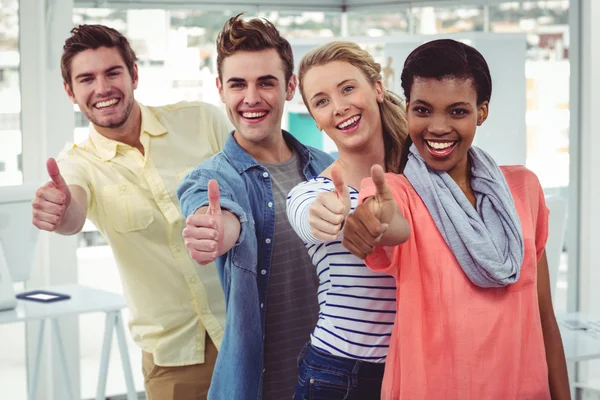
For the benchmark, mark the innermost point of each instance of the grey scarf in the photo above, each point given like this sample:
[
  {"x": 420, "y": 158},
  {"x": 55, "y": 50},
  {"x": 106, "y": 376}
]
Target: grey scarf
[{"x": 487, "y": 240}]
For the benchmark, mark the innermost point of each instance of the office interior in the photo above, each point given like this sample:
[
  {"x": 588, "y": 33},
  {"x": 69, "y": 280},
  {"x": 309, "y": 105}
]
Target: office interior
[{"x": 543, "y": 114}]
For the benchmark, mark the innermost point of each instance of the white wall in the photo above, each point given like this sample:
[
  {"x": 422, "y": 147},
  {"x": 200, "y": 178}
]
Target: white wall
[{"x": 585, "y": 160}]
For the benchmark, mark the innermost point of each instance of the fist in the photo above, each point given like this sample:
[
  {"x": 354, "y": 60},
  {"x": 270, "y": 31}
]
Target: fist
[
  {"x": 51, "y": 201},
  {"x": 204, "y": 232}
]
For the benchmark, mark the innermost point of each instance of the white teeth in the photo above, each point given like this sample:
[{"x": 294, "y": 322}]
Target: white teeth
[
  {"x": 107, "y": 103},
  {"x": 439, "y": 145},
  {"x": 254, "y": 114},
  {"x": 349, "y": 122}
]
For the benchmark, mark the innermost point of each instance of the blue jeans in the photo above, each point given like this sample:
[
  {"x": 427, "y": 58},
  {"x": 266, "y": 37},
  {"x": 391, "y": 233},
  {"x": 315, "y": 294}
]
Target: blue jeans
[{"x": 323, "y": 376}]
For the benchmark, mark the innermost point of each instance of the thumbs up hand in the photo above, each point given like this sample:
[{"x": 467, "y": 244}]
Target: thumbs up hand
[
  {"x": 382, "y": 205},
  {"x": 377, "y": 221},
  {"x": 204, "y": 231},
  {"x": 329, "y": 210},
  {"x": 51, "y": 200}
]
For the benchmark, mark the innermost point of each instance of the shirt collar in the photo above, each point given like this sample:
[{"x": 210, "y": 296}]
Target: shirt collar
[
  {"x": 107, "y": 148},
  {"x": 242, "y": 161}
]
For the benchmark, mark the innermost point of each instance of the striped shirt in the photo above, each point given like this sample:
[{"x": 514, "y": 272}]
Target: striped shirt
[{"x": 357, "y": 305}]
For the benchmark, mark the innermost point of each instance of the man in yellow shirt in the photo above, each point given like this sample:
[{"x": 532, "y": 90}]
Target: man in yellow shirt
[{"x": 123, "y": 178}]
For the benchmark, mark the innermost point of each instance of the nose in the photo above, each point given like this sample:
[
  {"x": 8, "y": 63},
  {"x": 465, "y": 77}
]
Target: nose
[
  {"x": 439, "y": 125},
  {"x": 252, "y": 96},
  {"x": 102, "y": 86},
  {"x": 341, "y": 106}
]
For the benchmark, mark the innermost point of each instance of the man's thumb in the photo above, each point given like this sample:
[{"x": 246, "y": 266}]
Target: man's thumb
[
  {"x": 55, "y": 175},
  {"x": 214, "y": 198}
]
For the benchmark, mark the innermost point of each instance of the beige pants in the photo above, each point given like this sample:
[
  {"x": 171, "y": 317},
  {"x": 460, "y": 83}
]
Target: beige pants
[{"x": 190, "y": 382}]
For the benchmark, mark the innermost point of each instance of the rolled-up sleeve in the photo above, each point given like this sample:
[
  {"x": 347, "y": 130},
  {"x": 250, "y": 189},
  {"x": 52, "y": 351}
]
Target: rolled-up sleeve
[
  {"x": 192, "y": 193},
  {"x": 299, "y": 200}
]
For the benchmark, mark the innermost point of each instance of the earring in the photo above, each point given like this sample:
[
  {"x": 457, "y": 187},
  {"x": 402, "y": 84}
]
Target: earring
[{"x": 319, "y": 128}]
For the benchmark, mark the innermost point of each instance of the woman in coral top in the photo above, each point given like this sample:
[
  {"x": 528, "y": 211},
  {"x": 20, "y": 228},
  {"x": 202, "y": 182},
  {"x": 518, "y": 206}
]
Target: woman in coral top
[{"x": 474, "y": 314}]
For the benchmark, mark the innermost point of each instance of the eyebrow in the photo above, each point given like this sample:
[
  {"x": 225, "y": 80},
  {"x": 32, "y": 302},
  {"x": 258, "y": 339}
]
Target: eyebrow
[
  {"x": 457, "y": 104},
  {"x": 260, "y": 78},
  {"x": 338, "y": 85},
  {"x": 89, "y": 74}
]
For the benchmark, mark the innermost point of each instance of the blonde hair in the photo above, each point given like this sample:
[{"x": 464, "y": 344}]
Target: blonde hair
[{"x": 392, "y": 109}]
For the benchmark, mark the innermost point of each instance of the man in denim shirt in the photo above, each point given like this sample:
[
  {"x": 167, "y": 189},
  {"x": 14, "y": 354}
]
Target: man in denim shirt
[{"x": 235, "y": 208}]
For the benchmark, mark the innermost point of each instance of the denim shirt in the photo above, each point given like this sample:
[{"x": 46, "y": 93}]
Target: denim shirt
[{"x": 246, "y": 190}]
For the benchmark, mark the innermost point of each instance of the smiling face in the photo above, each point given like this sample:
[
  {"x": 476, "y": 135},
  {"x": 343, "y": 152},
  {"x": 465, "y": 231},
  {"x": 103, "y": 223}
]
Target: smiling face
[
  {"x": 254, "y": 91},
  {"x": 443, "y": 116},
  {"x": 102, "y": 87},
  {"x": 344, "y": 104}
]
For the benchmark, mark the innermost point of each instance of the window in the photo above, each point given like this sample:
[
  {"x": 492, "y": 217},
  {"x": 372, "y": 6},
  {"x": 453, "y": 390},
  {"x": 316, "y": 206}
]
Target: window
[
  {"x": 10, "y": 96},
  {"x": 379, "y": 24},
  {"x": 13, "y": 375},
  {"x": 547, "y": 72}
]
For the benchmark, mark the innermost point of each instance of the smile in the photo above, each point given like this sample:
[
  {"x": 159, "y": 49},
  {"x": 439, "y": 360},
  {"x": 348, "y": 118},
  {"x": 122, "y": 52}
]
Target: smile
[
  {"x": 440, "y": 149},
  {"x": 254, "y": 115},
  {"x": 106, "y": 103},
  {"x": 349, "y": 123}
]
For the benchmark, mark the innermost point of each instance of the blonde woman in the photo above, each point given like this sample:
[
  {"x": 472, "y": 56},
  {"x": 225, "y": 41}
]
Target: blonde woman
[{"x": 342, "y": 88}]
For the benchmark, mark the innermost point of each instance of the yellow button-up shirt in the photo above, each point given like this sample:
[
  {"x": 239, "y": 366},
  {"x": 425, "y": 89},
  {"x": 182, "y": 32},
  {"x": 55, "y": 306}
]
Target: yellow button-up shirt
[{"x": 132, "y": 201}]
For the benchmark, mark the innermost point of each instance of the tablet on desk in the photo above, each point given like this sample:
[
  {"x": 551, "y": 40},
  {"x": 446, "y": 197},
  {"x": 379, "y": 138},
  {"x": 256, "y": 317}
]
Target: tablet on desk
[{"x": 42, "y": 296}]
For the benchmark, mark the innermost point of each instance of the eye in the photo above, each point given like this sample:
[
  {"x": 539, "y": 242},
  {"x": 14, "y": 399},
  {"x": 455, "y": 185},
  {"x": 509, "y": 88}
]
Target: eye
[
  {"x": 421, "y": 110},
  {"x": 267, "y": 84},
  {"x": 320, "y": 102},
  {"x": 114, "y": 74},
  {"x": 347, "y": 89},
  {"x": 86, "y": 80},
  {"x": 236, "y": 85},
  {"x": 459, "y": 112}
]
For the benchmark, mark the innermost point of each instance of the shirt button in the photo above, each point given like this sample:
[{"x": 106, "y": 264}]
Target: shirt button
[
  {"x": 270, "y": 204},
  {"x": 262, "y": 305},
  {"x": 264, "y": 272},
  {"x": 265, "y": 174},
  {"x": 176, "y": 249},
  {"x": 123, "y": 188},
  {"x": 193, "y": 279},
  {"x": 267, "y": 240}
]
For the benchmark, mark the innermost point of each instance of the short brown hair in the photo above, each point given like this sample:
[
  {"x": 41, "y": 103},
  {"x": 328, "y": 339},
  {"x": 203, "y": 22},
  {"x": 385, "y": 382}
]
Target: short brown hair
[
  {"x": 86, "y": 37},
  {"x": 253, "y": 35}
]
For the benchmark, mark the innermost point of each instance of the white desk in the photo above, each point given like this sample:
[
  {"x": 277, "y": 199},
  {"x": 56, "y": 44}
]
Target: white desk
[
  {"x": 581, "y": 341},
  {"x": 83, "y": 300},
  {"x": 581, "y": 336}
]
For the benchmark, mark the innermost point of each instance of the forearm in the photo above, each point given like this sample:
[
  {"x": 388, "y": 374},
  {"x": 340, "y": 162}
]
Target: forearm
[
  {"x": 397, "y": 232},
  {"x": 232, "y": 226},
  {"x": 555, "y": 357},
  {"x": 300, "y": 222},
  {"x": 74, "y": 219}
]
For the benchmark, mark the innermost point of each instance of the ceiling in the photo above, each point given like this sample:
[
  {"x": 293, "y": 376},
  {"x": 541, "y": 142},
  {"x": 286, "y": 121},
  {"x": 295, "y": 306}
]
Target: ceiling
[{"x": 264, "y": 5}]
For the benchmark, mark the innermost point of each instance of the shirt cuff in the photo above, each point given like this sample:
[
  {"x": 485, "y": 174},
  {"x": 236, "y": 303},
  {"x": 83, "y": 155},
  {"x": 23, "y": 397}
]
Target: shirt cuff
[{"x": 380, "y": 260}]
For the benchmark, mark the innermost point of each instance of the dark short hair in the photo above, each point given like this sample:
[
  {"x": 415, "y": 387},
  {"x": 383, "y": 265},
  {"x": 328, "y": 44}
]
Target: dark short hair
[
  {"x": 447, "y": 58},
  {"x": 86, "y": 37}
]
